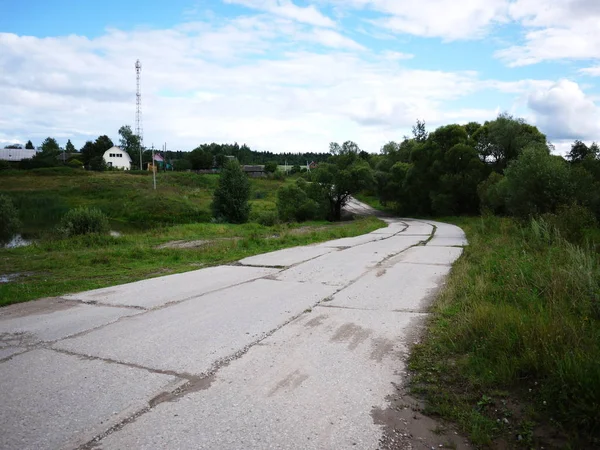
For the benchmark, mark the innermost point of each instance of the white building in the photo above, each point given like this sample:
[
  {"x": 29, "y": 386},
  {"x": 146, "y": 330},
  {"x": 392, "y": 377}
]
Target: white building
[
  {"x": 16, "y": 154},
  {"x": 118, "y": 158}
]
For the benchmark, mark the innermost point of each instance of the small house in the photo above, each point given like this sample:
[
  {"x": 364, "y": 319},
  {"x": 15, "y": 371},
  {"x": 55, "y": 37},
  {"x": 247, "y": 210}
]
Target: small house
[{"x": 117, "y": 158}]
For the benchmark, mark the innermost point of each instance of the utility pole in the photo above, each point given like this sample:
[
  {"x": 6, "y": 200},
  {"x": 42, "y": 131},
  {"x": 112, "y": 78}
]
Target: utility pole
[
  {"x": 153, "y": 167},
  {"x": 138, "y": 112}
]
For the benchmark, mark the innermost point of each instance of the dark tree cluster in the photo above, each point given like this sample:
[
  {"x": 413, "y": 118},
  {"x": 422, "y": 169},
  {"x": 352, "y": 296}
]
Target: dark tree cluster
[{"x": 504, "y": 166}]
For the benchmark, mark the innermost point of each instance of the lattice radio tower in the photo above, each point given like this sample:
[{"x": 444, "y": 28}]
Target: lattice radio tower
[{"x": 139, "y": 131}]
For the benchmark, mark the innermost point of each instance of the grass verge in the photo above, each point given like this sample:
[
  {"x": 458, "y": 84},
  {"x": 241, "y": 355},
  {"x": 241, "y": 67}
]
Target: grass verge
[
  {"x": 54, "y": 267},
  {"x": 512, "y": 350}
]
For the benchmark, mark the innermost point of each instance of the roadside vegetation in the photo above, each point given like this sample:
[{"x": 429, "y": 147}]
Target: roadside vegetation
[
  {"x": 512, "y": 349},
  {"x": 68, "y": 213}
]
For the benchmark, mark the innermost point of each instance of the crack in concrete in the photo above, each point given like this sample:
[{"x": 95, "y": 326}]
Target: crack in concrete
[{"x": 408, "y": 311}]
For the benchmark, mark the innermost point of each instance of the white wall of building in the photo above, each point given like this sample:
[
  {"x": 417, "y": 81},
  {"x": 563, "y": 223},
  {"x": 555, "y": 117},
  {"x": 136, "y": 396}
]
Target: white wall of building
[{"x": 115, "y": 157}]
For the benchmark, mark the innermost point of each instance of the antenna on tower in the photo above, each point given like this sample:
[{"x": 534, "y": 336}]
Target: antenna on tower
[{"x": 138, "y": 112}]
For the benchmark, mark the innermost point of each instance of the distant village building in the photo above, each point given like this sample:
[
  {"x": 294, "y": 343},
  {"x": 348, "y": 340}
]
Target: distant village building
[
  {"x": 254, "y": 171},
  {"x": 117, "y": 158},
  {"x": 16, "y": 154}
]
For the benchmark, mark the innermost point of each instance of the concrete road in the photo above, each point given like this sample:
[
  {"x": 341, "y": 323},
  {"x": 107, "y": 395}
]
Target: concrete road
[{"x": 303, "y": 348}]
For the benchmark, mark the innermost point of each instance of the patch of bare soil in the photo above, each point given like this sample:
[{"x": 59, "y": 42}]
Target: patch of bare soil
[{"x": 407, "y": 428}]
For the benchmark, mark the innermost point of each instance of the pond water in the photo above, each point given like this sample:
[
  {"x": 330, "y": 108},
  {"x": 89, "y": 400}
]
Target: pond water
[{"x": 16, "y": 241}]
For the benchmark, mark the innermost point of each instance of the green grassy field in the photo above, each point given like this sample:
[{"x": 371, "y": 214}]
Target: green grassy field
[
  {"x": 178, "y": 211},
  {"x": 512, "y": 352},
  {"x": 43, "y": 196}
]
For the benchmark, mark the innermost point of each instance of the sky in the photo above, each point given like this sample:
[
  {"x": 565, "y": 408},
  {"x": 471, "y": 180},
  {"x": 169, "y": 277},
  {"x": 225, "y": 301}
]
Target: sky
[{"x": 295, "y": 75}]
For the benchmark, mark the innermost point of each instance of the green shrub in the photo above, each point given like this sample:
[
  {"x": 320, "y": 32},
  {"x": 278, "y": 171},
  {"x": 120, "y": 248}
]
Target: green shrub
[
  {"x": 230, "y": 200},
  {"x": 271, "y": 167},
  {"x": 298, "y": 203},
  {"x": 572, "y": 221},
  {"x": 266, "y": 218},
  {"x": 9, "y": 218},
  {"x": 491, "y": 194},
  {"x": 75, "y": 163},
  {"x": 81, "y": 221}
]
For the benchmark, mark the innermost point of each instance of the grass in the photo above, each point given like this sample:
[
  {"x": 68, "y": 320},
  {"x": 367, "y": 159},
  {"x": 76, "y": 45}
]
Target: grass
[
  {"x": 512, "y": 351},
  {"x": 53, "y": 267},
  {"x": 43, "y": 196},
  {"x": 178, "y": 210}
]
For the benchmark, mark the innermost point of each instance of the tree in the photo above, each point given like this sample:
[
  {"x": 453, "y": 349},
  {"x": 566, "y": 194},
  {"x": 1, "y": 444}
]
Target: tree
[
  {"x": 537, "y": 183},
  {"x": 129, "y": 142},
  {"x": 200, "y": 159},
  {"x": 14, "y": 146},
  {"x": 230, "y": 200},
  {"x": 29, "y": 146},
  {"x": 271, "y": 167},
  {"x": 70, "y": 148},
  {"x": 419, "y": 131},
  {"x": 50, "y": 146},
  {"x": 579, "y": 151},
  {"x": 345, "y": 174},
  {"x": 102, "y": 144},
  {"x": 92, "y": 153},
  {"x": 502, "y": 140}
]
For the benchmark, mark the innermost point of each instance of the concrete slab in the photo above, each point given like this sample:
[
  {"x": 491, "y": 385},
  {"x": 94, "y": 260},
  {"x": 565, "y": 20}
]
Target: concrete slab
[
  {"x": 447, "y": 230},
  {"x": 401, "y": 287},
  {"x": 418, "y": 228},
  {"x": 51, "y": 400},
  {"x": 7, "y": 352},
  {"x": 340, "y": 268},
  {"x": 438, "y": 241},
  {"x": 54, "y": 319},
  {"x": 172, "y": 288},
  {"x": 191, "y": 336},
  {"x": 352, "y": 241},
  {"x": 314, "y": 384},
  {"x": 430, "y": 255},
  {"x": 287, "y": 257}
]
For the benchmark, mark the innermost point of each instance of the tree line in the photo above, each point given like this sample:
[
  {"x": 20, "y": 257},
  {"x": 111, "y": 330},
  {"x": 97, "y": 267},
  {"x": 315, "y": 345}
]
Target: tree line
[{"x": 203, "y": 157}]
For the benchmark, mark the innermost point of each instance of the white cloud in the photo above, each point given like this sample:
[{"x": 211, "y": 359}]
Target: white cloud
[
  {"x": 447, "y": 19},
  {"x": 287, "y": 9},
  {"x": 556, "y": 29},
  {"x": 255, "y": 79},
  {"x": 564, "y": 112},
  {"x": 591, "y": 71}
]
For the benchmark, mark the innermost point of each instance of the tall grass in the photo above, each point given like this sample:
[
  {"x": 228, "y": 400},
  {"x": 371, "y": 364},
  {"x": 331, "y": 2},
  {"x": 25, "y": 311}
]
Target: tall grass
[{"x": 520, "y": 318}]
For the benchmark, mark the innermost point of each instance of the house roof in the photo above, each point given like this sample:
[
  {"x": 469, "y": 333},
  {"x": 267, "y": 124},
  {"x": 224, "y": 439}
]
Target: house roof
[
  {"x": 114, "y": 150},
  {"x": 16, "y": 154}
]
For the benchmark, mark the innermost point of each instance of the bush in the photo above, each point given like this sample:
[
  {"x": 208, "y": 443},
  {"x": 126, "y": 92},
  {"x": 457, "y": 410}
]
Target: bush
[
  {"x": 75, "y": 163},
  {"x": 491, "y": 194},
  {"x": 271, "y": 167},
  {"x": 230, "y": 200},
  {"x": 298, "y": 202},
  {"x": 572, "y": 222},
  {"x": 81, "y": 221},
  {"x": 266, "y": 218},
  {"x": 9, "y": 218}
]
